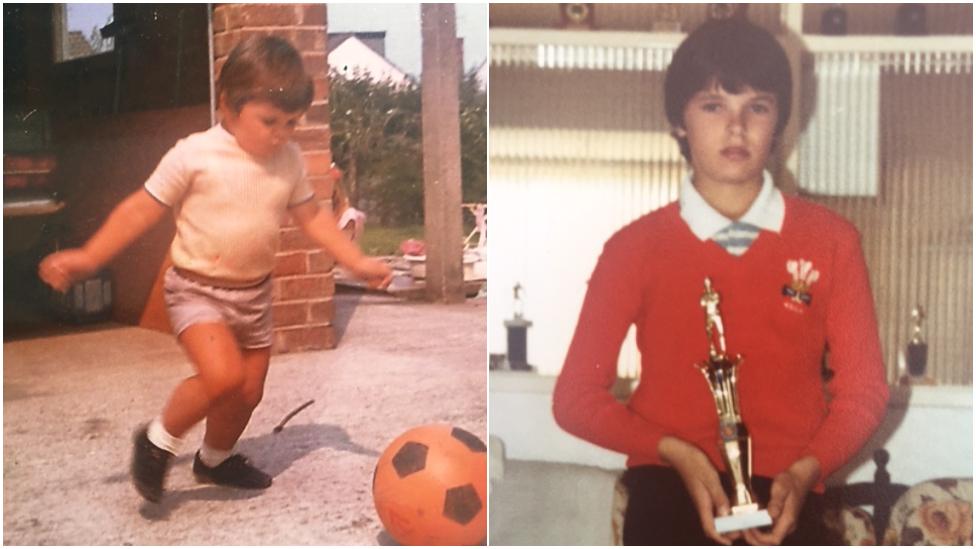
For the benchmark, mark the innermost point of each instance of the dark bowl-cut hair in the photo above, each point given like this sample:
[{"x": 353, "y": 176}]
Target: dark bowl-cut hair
[
  {"x": 732, "y": 53},
  {"x": 265, "y": 68}
]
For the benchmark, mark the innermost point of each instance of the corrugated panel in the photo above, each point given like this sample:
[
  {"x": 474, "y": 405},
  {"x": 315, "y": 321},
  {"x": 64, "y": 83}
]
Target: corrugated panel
[
  {"x": 917, "y": 232},
  {"x": 556, "y": 217},
  {"x": 569, "y": 168},
  {"x": 838, "y": 148}
]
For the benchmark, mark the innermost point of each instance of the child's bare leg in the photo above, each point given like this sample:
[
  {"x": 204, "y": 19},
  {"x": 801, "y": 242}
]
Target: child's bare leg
[
  {"x": 187, "y": 405},
  {"x": 229, "y": 416},
  {"x": 226, "y": 420},
  {"x": 220, "y": 373}
]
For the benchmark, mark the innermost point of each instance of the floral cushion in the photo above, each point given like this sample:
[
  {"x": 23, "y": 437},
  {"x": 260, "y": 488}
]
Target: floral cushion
[
  {"x": 937, "y": 512},
  {"x": 847, "y": 525}
]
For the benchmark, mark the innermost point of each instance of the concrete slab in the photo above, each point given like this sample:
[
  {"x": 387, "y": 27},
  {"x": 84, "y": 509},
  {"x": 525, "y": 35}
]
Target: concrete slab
[{"x": 72, "y": 401}]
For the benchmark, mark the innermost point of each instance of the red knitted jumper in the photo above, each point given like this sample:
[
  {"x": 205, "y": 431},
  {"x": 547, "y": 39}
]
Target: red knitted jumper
[{"x": 651, "y": 274}]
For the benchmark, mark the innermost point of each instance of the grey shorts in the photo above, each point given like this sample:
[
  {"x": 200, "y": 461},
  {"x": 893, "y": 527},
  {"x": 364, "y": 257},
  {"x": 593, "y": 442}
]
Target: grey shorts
[{"x": 246, "y": 311}]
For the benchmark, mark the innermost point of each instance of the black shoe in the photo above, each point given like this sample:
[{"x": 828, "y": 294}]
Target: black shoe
[
  {"x": 149, "y": 466},
  {"x": 235, "y": 471}
]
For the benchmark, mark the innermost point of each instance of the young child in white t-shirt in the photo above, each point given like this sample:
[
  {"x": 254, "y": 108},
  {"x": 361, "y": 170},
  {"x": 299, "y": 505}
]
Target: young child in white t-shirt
[{"x": 228, "y": 188}]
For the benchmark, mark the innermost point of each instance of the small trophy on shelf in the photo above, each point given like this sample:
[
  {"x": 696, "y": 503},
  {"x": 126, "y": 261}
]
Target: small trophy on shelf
[
  {"x": 910, "y": 20},
  {"x": 577, "y": 16},
  {"x": 833, "y": 22},
  {"x": 735, "y": 445},
  {"x": 665, "y": 17},
  {"x": 518, "y": 336},
  {"x": 918, "y": 349},
  {"x": 728, "y": 10}
]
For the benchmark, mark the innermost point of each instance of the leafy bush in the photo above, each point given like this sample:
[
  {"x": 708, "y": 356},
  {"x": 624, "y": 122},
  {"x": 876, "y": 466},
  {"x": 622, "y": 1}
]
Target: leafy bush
[{"x": 377, "y": 142}]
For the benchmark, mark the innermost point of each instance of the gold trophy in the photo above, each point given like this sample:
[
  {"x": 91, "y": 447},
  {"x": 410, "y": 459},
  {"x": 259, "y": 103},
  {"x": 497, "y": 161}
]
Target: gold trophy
[{"x": 734, "y": 442}]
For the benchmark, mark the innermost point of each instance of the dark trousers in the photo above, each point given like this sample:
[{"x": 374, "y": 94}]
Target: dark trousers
[{"x": 660, "y": 511}]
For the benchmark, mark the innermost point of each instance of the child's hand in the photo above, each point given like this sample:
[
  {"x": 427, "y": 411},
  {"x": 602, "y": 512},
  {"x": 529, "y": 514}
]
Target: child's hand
[
  {"x": 702, "y": 482},
  {"x": 377, "y": 274},
  {"x": 786, "y": 499},
  {"x": 62, "y": 269}
]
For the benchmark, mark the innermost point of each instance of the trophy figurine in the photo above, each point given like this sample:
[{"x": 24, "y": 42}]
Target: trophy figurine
[{"x": 734, "y": 442}]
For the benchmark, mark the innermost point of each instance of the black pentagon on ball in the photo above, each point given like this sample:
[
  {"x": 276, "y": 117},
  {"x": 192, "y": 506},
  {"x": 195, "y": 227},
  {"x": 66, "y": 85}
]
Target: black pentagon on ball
[
  {"x": 472, "y": 442},
  {"x": 462, "y": 504},
  {"x": 411, "y": 457}
]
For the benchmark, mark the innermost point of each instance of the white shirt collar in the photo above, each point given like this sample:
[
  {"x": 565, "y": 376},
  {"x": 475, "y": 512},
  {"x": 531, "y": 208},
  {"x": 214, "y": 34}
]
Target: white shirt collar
[{"x": 766, "y": 212}]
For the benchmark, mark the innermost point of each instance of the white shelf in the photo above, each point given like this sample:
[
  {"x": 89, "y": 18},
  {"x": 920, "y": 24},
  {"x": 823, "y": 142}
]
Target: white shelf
[
  {"x": 932, "y": 396},
  {"x": 818, "y": 43},
  {"x": 624, "y": 39},
  {"x": 510, "y": 381},
  {"x": 621, "y": 50},
  {"x": 652, "y": 40}
]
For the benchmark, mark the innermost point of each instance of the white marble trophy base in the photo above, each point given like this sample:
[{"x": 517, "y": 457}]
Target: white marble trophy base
[{"x": 742, "y": 518}]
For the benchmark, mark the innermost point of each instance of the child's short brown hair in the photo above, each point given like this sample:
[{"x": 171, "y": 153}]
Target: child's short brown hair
[
  {"x": 731, "y": 53},
  {"x": 265, "y": 68}
]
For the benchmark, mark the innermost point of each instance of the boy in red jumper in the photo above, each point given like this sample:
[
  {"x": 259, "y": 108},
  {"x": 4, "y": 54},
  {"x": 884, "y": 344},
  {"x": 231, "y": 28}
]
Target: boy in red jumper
[{"x": 793, "y": 284}]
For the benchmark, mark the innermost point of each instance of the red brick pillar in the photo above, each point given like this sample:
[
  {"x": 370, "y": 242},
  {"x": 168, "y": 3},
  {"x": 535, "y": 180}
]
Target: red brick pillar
[{"x": 303, "y": 282}]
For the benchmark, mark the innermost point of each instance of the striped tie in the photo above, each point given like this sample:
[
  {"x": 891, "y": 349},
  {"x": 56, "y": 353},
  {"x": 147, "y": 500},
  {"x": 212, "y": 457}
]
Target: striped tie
[{"x": 737, "y": 237}]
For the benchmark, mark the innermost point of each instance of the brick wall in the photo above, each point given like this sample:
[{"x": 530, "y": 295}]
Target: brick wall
[{"x": 303, "y": 282}]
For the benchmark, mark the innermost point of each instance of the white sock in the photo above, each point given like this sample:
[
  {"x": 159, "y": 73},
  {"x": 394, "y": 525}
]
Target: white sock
[
  {"x": 212, "y": 457},
  {"x": 162, "y": 439}
]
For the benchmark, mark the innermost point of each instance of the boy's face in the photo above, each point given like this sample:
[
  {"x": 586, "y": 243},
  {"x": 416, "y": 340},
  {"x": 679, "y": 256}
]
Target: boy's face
[
  {"x": 730, "y": 135},
  {"x": 260, "y": 128}
]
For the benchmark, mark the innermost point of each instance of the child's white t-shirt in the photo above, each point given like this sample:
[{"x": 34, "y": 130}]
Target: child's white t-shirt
[{"x": 228, "y": 204}]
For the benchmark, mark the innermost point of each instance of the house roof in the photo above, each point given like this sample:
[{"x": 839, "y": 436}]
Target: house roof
[
  {"x": 353, "y": 56},
  {"x": 376, "y": 40}
]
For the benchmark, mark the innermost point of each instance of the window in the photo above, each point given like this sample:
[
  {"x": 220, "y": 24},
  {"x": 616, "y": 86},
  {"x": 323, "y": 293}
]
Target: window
[{"x": 77, "y": 30}]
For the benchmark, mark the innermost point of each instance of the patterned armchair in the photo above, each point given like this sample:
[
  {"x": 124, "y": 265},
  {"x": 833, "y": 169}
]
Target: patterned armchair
[{"x": 934, "y": 512}]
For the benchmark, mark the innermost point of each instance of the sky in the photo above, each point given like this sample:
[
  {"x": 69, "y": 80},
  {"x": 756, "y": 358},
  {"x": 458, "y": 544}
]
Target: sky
[
  {"x": 85, "y": 16},
  {"x": 400, "y": 21},
  {"x": 402, "y": 25}
]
